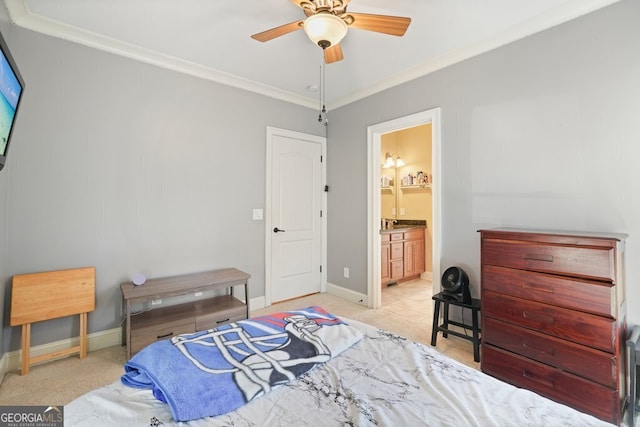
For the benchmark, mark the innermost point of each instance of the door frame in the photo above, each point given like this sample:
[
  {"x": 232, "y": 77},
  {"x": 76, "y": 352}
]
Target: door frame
[
  {"x": 374, "y": 141},
  {"x": 268, "y": 225}
]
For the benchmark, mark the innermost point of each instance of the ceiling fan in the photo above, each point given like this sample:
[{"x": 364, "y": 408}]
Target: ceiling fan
[{"x": 327, "y": 22}]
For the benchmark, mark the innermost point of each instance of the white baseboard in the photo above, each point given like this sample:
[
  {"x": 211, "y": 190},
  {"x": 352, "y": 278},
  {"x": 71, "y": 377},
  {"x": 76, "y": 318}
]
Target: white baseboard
[
  {"x": 257, "y": 303},
  {"x": 96, "y": 341},
  {"x": 4, "y": 364},
  {"x": 347, "y": 294}
]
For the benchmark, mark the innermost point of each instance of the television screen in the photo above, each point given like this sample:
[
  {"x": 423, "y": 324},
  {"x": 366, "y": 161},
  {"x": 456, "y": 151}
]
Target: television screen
[{"x": 11, "y": 87}]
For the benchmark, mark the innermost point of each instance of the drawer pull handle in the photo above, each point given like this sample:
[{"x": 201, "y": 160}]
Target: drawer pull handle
[
  {"x": 539, "y": 257},
  {"x": 222, "y": 321},
  {"x": 538, "y": 318},
  {"x": 538, "y": 287},
  {"x": 164, "y": 336},
  {"x": 537, "y": 379}
]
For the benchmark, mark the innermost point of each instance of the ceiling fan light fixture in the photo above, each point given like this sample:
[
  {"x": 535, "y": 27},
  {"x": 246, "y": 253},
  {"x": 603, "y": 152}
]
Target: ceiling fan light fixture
[{"x": 325, "y": 29}]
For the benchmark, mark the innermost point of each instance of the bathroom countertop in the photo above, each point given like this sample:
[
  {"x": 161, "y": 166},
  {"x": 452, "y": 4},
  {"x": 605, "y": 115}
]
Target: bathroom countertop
[{"x": 401, "y": 227}]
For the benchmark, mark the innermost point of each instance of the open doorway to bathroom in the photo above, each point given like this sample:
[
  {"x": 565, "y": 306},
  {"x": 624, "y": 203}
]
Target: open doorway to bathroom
[
  {"x": 390, "y": 132},
  {"x": 406, "y": 209}
]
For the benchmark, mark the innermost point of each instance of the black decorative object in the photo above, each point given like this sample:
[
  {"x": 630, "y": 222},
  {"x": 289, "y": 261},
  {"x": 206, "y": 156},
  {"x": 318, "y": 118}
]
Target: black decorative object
[{"x": 455, "y": 285}]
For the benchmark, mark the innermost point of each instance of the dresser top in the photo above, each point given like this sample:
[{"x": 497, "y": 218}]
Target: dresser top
[{"x": 557, "y": 233}]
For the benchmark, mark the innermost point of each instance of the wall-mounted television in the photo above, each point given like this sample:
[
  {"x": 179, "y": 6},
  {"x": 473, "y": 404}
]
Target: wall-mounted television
[{"x": 11, "y": 88}]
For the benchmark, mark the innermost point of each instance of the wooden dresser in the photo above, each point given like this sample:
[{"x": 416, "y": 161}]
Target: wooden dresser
[{"x": 554, "y": 316}]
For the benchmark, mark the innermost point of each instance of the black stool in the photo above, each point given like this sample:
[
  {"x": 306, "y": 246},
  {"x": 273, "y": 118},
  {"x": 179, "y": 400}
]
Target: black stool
[{"x": 441, "y": 298}]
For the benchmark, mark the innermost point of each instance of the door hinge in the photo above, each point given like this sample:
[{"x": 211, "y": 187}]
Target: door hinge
[
  {"x": 320, "y": 214},
  {"x": 326, "y": 188},
  {"x": 320, "y": 158},
  {"x": 320, "y": 269}
]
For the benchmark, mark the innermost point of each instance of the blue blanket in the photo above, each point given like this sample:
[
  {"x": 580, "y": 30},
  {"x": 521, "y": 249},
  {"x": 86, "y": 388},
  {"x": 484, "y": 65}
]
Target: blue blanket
[{"x": 216, "y": 371}]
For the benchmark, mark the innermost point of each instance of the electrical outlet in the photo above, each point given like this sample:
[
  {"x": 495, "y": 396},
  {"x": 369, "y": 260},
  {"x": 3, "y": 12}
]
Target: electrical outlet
[
  {"x": 257, "y": 214},
  {"x": 401, "y": 211},
  {"x": 156, "y": 301},
  {"x": 346, "y": 272},
  {"x": 197, "y": 294}
]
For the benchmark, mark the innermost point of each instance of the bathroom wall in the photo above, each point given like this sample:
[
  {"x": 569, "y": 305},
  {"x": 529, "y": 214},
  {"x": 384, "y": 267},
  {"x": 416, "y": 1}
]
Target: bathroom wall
[{"x": 414, "y": 147}]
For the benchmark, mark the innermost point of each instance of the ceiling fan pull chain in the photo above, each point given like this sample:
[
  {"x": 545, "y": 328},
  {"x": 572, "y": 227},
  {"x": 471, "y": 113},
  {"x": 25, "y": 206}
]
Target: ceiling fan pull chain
[
  {"x": 323, "y": 93},
  {"x": 320, "y": 106}
]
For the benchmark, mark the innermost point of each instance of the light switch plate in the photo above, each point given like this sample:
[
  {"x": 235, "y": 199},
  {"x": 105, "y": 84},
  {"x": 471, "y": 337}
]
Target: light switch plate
[{"x": 257, "y": 214}]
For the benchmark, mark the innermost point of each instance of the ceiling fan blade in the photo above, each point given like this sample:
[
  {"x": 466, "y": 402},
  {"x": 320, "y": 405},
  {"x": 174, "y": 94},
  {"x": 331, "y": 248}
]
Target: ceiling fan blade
[
  {"x": 333, "y": 54},
  {"x": 278, "y": 31},
  {"x": 386, "y": 24}
]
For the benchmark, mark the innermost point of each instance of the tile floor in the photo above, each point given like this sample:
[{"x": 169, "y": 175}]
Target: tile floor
[{"x": 407, "y": 309}]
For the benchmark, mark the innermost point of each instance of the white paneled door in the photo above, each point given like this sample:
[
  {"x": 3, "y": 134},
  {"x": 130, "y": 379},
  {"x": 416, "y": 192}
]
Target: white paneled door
[{"x": 295, "y": 219}]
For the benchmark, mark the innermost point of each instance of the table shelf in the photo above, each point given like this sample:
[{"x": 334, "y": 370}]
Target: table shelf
[{"x": 164, "y": 322}]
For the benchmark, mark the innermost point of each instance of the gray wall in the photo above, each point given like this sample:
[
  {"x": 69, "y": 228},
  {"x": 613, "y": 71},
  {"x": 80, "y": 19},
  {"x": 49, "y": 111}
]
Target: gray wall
[
  {"x": 5, "y": 27},
  {"x": 131, "y": 168},
  {"x": 540, "y": 133}
]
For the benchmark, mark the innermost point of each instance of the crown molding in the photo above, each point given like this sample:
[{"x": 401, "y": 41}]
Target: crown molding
[{"x": 21, "y": 16}]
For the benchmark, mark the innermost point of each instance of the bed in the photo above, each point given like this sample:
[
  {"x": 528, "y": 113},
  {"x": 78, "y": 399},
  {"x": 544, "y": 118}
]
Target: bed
[{"x": 381, "y": 380}]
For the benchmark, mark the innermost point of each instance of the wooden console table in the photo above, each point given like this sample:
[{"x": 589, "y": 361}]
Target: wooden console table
[{"x": 144, "y": 328}]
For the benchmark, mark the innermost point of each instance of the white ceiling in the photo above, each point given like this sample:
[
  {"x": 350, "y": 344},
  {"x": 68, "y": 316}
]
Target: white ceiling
[{"x": 211, "y": 38}]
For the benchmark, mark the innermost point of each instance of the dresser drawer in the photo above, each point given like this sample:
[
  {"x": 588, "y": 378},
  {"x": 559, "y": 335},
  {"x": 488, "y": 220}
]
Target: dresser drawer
[
  {"x": 397, "y": 237},
  {"x": 563, "y": 387},
  {"x": 580, "y": 294},
  {"x": 385, "y": 237},
  {"x": 583, "y": 328},
  {"x": 581, "y": 261},
  {"x": 416, "y": 234},
  {"x": 213, "y": 320},
  {"x": 142, "y": 337},
  {"x": 589, "y": 363},
  {"x": 397, "y": 250},
  {"x": 397, "y": 269}
]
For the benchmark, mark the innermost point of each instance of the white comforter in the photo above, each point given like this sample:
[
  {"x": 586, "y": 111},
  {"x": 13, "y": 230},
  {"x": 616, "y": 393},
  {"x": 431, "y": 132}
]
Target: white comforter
[{"x": 384, "y": 380}]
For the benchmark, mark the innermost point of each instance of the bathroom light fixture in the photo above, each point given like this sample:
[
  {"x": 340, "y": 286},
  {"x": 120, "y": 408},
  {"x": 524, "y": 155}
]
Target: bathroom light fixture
[
  {"x": 325, "y": 29},
  {"x": 389, "y": 161}
]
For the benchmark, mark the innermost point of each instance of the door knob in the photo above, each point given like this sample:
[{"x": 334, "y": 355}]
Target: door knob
[{"x": 276, "y": 230}]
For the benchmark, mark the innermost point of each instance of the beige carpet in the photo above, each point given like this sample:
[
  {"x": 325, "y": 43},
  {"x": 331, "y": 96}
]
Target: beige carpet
[
  {"x": 406, "y": 309},
  {"x": 59, "y": 382}
]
